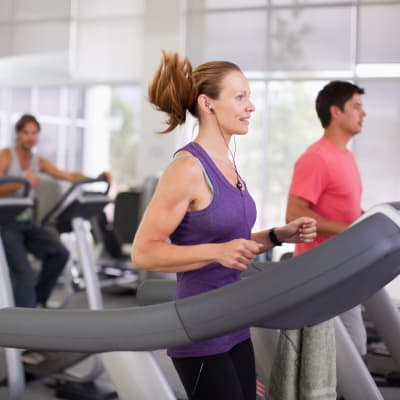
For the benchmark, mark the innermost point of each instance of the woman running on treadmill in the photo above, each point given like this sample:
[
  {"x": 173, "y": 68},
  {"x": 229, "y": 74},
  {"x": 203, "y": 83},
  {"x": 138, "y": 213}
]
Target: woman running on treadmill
[{"x": 203, "y": 207}]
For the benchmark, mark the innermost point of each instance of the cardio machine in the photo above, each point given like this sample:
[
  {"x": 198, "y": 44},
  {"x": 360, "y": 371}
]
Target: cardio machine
[
  {"x": 9, "y": 209},
  {"x": 354, "y": 379},
  {"x": 305, "y": 290},
  {"x": 53, "y": 364},
  {"x": 130, "y": 372}
]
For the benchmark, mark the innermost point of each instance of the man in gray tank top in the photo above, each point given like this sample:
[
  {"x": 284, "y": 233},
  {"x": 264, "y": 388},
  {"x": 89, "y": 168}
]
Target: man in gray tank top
[{"x": 24, "y": 236}]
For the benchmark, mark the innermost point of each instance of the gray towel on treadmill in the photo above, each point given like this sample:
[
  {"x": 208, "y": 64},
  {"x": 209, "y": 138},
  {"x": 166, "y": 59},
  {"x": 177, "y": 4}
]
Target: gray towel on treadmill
[{"x": 304, "y": 367}]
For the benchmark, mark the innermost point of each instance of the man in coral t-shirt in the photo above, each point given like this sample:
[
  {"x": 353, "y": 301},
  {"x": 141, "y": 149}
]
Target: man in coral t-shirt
[{"x": 326, "y": 183}]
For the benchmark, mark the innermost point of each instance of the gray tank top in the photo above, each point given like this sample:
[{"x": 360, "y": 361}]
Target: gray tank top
[{"x": 15, "y": 170}]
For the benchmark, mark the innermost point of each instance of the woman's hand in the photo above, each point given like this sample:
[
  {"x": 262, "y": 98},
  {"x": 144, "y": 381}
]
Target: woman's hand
[
  {"x": 238, "y": 253},
  {"x": 300, "y": 230}
]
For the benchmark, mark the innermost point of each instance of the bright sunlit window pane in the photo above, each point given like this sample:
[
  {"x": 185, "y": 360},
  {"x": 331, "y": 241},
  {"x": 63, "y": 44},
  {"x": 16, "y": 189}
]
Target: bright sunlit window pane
[
  {"x": 240, "y": 27},
  {"x": 124, "y": 116},
  {"x": 376, "y": 148},
  {"x": 49, "y": 100},
  {"x": 48, "y": 143},
  {"x": 310, "y": 39},
  {"x": 283, "y": 125},
  {"x": 21, "y": 100},
  {"x": 379, "y": 33}
]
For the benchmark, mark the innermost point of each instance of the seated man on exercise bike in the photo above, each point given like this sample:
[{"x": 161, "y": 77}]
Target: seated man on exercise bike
[{"x": 23, "y": 235}]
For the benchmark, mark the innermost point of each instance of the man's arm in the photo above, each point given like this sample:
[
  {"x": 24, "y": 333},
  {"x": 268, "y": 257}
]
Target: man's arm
[
  {"x": 49, "y": 168},
  {"x": 7, "y": 188},
  {"x": 298, "y": 207}
]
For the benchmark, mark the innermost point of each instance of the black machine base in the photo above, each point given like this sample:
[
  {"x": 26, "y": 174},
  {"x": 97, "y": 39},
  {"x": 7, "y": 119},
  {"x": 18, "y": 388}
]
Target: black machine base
[
  {"x": 82, "y": 391},
  {"x": 393, "y": 378}
]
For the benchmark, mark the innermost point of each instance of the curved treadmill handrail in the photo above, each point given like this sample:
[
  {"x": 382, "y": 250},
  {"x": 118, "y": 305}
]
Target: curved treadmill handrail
[
  {"x": 305, "y": 290},
  {"x": 161, "y": 290},
  {"x": 51, "y": 213}
]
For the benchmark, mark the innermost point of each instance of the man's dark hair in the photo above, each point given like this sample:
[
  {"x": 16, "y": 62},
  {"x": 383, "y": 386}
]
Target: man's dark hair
[
  {"x": 335, "y": 93},
  {"x": 26, "y": 119}
]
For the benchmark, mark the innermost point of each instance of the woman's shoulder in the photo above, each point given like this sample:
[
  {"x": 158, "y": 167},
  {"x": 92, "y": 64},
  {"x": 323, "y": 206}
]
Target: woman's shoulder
[
  {"x": 185, "y": 166},
  {"x": 181, "y": 179}
]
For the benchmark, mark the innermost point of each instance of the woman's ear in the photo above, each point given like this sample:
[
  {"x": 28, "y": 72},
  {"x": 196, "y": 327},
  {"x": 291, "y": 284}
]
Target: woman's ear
[{"x": 205, "y": 103}]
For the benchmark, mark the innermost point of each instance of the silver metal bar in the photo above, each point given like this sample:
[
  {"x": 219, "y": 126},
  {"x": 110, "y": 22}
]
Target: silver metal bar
[
  {"x": 15, "y": 371},
  {"x": 87, "y": 263},
  {"x": 133, "y": 373},
  {"x": 386, "y": 319},
  {"x": 354, "y": 380}
]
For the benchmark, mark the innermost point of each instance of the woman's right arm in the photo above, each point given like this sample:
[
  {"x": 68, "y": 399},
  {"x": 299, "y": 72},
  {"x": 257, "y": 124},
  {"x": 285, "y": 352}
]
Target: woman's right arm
[{"x": 180, "y": 187}]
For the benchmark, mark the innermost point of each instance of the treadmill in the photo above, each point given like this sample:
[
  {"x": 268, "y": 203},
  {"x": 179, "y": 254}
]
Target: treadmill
[
  {"x": 55, "y": 363},
  {"x": 10, "y": 209},
  {"x": 305, "y": 290},
  {"x": 71, "y": 214}
]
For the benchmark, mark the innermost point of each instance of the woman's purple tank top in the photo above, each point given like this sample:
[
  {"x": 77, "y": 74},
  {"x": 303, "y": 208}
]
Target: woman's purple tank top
[{"x": 230, "y": 215}]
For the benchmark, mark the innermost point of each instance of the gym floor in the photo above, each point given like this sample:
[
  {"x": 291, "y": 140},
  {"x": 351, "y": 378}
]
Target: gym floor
[{"x": 117, "y": 298}]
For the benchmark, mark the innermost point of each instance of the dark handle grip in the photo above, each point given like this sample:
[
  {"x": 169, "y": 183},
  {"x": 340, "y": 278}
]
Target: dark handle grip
[
  {"x": 17, "y": 179},
  {"x": 74, "y": 185}
]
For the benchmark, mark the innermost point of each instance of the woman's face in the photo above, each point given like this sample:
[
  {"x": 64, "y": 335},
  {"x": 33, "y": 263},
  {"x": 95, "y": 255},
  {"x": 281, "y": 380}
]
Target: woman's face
[{"x": 233, "y": 107}]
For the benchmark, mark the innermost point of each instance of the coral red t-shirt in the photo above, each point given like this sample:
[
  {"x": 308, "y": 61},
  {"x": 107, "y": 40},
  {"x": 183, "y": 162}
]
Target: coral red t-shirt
[{"x": 328, "y": 177}]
